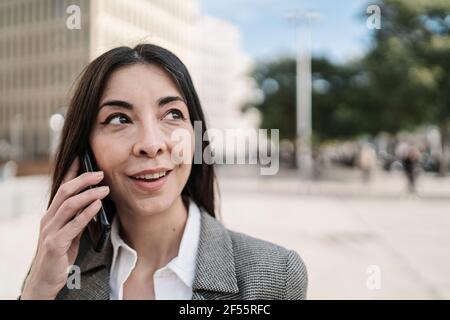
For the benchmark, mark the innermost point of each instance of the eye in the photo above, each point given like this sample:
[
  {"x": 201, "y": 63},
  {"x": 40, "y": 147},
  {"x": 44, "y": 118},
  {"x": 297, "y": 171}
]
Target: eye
[
  {"x": 174, "y": 114},
  {"x": 116, "y": 119}
]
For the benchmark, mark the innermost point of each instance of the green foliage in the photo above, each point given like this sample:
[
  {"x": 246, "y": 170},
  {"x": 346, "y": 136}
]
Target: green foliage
[
  {"x": 278, "y": 107},
  {"x": 340, "y": 99},
  {"x": 409, "y": 62},
  {"x": 403, "y": 80}
]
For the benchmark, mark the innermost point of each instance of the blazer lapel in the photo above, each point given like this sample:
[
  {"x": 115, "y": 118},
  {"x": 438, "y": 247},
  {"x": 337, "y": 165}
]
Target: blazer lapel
[{"x": 215, "y": 276}]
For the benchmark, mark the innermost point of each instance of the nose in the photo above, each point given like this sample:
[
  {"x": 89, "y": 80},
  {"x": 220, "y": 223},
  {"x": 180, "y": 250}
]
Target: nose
[{"x": 151, "y": 141}]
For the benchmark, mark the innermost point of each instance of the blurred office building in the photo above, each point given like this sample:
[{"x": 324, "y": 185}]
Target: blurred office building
[
  {"x": 224, "y": 86},
  {"x": 222, "y": 67},
  {"x": 45, "y": 44}
]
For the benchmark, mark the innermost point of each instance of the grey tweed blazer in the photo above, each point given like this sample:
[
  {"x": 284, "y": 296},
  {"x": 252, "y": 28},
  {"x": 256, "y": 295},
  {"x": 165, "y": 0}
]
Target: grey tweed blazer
[{"x": 230, "y": 265}]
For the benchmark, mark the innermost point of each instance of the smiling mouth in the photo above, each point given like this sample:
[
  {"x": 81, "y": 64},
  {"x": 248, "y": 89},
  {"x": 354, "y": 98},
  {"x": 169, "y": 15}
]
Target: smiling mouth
[{"x": 151, "y": 177}]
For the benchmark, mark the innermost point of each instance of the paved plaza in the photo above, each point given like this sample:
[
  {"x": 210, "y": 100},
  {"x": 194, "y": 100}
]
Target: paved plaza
[{"x": 341, "y": 227}]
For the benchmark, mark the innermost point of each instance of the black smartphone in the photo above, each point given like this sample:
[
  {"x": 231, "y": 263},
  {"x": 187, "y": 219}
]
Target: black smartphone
[{"x": 99, "y": 228}]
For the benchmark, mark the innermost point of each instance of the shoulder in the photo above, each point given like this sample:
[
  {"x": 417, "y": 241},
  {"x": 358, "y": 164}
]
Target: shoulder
[
  {"x": 246, "y": 267},
  {"x": 279, "y": 272}
]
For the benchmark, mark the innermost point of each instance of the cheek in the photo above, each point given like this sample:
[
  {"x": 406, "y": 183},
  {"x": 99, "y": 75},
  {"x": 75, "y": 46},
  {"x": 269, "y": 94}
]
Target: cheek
[
  {"x": 182, "y": 146},
  {"x": 184, "y": 169},
  {"x": 192, "y": 144},
  {"x": 109, "y": 154},
  {"x": 182, "y": 175}
]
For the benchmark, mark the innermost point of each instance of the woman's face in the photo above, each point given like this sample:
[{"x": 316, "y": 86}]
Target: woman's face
[{"x": 139, "y": 109}]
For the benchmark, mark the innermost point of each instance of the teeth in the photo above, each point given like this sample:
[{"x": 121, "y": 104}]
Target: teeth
[{"x": 152, "y": 175}]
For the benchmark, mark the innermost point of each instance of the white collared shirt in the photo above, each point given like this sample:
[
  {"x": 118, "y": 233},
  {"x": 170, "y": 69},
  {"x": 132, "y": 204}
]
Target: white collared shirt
[{"x": 171, "y": 282}]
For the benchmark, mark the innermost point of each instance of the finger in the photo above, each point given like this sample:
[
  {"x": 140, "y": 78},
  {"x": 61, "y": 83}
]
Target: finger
[
  {"x": 72, "y": 229},
  {"x": 73, "y": 187},
  {"x": 75, "y": 204},
  {"x": 72, "y": 172},
  {"x": 74, "y": 246}
]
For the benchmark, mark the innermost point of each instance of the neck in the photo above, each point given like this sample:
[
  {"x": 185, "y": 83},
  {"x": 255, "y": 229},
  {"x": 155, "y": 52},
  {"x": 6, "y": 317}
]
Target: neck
[{"x": 155, "y": 238}]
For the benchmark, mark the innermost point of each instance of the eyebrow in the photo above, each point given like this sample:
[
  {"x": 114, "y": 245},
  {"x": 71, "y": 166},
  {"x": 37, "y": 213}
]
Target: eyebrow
[{"x": 126, "y": 105}]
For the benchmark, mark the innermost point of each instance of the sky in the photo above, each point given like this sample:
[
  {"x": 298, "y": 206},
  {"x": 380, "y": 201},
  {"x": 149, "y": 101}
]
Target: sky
[{"x": 339, "y": 34}]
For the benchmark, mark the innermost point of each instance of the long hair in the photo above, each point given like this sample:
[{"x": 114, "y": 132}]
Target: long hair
[{"x": 83, "y": 109}]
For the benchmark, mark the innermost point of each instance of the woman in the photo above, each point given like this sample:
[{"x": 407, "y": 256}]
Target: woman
[{"x": 165, "y": 242}]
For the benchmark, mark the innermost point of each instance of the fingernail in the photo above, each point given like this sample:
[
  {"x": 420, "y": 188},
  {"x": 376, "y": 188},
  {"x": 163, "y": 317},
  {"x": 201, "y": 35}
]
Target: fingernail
[
  {"x": 103, "y": 189},
  {"x": 99, "y": 174}
]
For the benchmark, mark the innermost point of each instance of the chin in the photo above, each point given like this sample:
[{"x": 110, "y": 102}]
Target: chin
[{"x": 151, "y": 206}]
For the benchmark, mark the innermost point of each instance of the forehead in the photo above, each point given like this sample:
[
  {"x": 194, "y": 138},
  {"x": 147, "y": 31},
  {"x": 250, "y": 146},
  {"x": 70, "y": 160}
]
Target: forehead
[{"x": 140, "y": 81}]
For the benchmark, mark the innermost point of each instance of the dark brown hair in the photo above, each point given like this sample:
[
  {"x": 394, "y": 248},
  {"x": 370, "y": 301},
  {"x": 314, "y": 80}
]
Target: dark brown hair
[{"x": 83, "y": 109}]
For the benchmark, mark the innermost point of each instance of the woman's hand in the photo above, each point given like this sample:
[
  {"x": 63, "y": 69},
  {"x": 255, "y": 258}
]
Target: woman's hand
[{"x": 60, "y": 232}]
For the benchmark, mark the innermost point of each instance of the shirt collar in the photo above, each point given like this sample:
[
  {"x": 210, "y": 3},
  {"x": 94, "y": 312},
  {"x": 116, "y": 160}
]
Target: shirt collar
[{"x": 184, "y": 265}]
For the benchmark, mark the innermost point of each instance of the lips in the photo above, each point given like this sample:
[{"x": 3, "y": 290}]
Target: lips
[
  {"x": 150, "y": 176},
  {"x": 150, "y": 171},
  {"x": 149, "y": 185}
]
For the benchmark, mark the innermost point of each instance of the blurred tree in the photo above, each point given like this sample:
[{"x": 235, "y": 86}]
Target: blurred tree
[
  {"x": 342, "y": 103},
  {"x": 276, "y": 80},
  {"x": 403, "y": 81},
  {"x": 409, "y": 64},
  {"x": 342, "y": 107}
]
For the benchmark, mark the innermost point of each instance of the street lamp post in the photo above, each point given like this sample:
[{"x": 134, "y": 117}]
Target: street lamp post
[{"x": 302, "y": 22}]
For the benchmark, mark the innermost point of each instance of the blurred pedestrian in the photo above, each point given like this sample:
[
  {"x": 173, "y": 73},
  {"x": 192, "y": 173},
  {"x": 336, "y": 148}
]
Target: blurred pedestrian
[
  {"x": 367, "y": 161},
  {"x": 410, "y": 166},
  {"x": 409, "y": 156}
]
